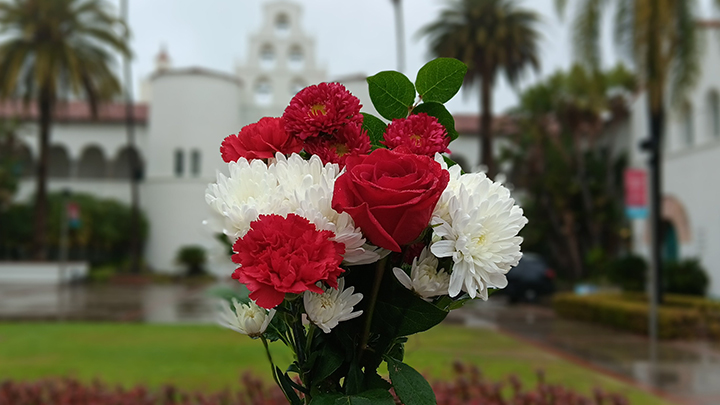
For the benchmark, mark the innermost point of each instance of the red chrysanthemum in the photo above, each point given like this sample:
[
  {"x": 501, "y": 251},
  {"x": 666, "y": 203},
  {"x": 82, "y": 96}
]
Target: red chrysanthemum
[
  {"x": 323, "y": 108},
  {"x": 350, "y": 140},
  {"x": 420, "y": 134},
  {"x": 285, "y": 255},
  {"x": 260, "y": 140}
]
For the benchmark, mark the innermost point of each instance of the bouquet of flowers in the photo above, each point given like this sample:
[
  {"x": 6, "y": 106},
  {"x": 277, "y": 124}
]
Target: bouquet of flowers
[{"x": 352, "y": 234}]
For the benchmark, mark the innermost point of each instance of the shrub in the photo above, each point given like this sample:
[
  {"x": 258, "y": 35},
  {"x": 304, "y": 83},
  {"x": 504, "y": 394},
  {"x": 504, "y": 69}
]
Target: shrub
[
  {"x": 102, "y": 274},
  {"x": 193, "y": 258},
  {"x": 685, "y": 277},
  {"x": 680, "y": 317},
  {"x": 469, "y": 386},
  {"x": 628, "y": 272}
]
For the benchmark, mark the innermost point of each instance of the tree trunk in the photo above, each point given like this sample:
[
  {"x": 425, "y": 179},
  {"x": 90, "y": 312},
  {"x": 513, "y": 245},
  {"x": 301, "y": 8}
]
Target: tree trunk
[
  {"x": 45, "y": 104},
  {"x": 486, "y": 136},
  {"x": 399, "y": 34}
]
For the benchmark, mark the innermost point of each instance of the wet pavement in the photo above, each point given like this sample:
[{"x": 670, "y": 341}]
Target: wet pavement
[
  {"x": 686, "y": 372},
  {"x": 153, "y": 303}
]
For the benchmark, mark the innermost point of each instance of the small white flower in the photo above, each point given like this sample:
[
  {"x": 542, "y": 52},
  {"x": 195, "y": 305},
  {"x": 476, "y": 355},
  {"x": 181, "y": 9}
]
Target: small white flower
[
  {"x": 425, "y": 279},
  {"x": 248, "y": 319},
  {"x": 333, "y": 306},
  {"x": 479, "y": 231}
]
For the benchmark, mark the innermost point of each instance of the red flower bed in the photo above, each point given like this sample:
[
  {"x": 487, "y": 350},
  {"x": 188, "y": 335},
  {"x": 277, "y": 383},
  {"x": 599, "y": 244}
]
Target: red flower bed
[{"x": 469, "y": 387}]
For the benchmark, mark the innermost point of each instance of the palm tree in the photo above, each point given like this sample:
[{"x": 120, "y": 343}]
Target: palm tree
[
  {"x": 491, "y": 37},
  {"x": 660, "y": 37},
  {"x": 52, "y": 49}
]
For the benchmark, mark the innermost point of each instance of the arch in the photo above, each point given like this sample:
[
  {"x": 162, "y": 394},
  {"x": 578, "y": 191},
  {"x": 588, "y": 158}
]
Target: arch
[
  {"x": 670, "y": 246},
  {"x": 92, "y": 164},
  {"x": 296, "y": 57},
  {"x": 58, "y": 162},
  {"x": 122, "y": 161},
  {"x": 263, "y": 91},
  {"x": 267, "y": 56},
  {"x": 282, "y": 24},
  {"x": 687, "y": 125},
  {"x": 673, "y": 212},
  {"x": 24, "y": 162},
  {"x": 713, "y": 102}
]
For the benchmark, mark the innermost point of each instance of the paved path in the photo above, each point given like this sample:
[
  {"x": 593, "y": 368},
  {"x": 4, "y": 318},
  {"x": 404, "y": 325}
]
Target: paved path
[{"x": 687, "y": 372}]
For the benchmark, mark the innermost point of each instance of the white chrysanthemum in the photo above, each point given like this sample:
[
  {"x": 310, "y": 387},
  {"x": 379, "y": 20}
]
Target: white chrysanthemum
[
  {"x": 333, "y": 306},
  {"x": 248, "y": 319},
  {"x": 425, "y": 279},
  {"x": 479, "y": 231},
  {"x": 303, "y": 187}
]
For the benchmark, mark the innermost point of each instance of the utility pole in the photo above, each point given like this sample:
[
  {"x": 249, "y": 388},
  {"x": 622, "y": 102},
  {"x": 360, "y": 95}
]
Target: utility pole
[
  {"x": 133, "y": 155},
  {"x": 399, "y": 35}
]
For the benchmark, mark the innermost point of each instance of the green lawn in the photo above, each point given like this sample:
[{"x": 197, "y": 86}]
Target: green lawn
[{"x": 208, "y": 357}]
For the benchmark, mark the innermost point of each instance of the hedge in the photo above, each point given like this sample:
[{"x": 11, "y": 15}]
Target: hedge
[{"x": 680, "y": 317}]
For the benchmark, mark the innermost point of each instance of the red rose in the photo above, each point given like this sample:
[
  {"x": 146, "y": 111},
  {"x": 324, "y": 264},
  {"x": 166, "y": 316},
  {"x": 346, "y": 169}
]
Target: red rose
[
  {"x": 286, "y": 255},
  {"x": 390, "y": 195},
  {"x": 260, "y": 140}
]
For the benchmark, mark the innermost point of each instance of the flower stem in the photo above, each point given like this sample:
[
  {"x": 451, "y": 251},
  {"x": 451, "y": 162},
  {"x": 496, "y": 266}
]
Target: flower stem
[
  {"x": 272, "y": 368},
  {"x": 371, "y": 305}
]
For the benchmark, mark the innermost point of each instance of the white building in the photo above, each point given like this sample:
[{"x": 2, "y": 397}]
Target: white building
[{"x": 691, "y": 158}]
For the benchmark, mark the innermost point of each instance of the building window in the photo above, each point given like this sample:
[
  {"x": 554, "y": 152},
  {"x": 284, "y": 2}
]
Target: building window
[
  {"x": 296, "y": 59},
  {"x": 267, "y": 57},
  {"x": 282, "y": 24},
  {"x": 179, "y": 163},
  {"x": 195, "y": 163},
  {"x": 263, "y": 92},
  {"x": 714, "y": 107},
  {"x": 688, "y": 129}
]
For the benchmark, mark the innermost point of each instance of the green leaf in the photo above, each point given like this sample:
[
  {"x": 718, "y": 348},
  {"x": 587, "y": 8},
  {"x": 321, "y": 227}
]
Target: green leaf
[
  {"x": 354, "y": 379},
  {"x": 391, "y": 93},
  {"x": 410, "y": 386},
  {"x": 443, "y": 116},
  {"x": 287, "y": 387},
  {"x": 440, "y": 79},
  {"x": 403, "y": 313},
  {"x": 375, "y": 129},
  {"x": 328, "y": 360}
]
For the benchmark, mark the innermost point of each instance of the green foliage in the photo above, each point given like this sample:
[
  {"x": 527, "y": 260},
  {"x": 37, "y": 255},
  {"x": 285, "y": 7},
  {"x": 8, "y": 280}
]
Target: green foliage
[
  {"x": 678, "y": 318},
  {"x": 193, "y": 258},
  {"x": 102, "y": 274},
  {"x": 440, "y": 79},
  {"x": 572, "y": 177},
  {"x": 391, "y": 93},
  {"x": 685, "y": 277},
  {"x": 102, "y": 236},
  {"x": 629, "y": 272},
  {"x": 371, "y": 397},
  {"x": 410, "y": 386},
  {"x": 443, "y": 116},
  {"x": 375, "y": 129}
]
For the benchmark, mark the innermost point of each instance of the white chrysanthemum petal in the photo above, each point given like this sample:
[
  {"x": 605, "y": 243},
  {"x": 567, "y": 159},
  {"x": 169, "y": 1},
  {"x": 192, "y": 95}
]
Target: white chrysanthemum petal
[
  {"x": 425, "y": 279},
  {"x": 477, "y": 222},
  {"x": 248, "y": 319},
  {"x": 287, "y": 185},
  {"x": 331, "y": 307}
]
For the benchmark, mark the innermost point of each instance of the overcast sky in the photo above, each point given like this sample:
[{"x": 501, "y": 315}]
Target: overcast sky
[{"x": 351, "y": 37}]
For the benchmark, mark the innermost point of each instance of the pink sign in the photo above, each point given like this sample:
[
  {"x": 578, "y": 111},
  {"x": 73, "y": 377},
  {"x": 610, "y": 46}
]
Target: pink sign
[{"x": 635, "y": 188}]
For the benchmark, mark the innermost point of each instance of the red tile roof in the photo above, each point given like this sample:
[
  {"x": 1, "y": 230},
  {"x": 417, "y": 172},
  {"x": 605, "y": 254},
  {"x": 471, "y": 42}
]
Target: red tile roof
[
  {"x": 74, "y": 111},
  {"x": 469, "y": 124}
]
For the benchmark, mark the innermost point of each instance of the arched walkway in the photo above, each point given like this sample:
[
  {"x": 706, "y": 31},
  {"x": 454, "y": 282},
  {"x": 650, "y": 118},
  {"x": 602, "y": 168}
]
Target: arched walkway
[
  {"x": 676, "y": 224},
  {"x": 58, "y": 163},
  {"x": 92, "y": 164},
  {"x": 121, "y": 164}
]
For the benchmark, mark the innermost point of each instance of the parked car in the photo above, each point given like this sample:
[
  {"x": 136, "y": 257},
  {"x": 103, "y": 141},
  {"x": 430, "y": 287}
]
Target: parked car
[{"x": 531, "y": 279}]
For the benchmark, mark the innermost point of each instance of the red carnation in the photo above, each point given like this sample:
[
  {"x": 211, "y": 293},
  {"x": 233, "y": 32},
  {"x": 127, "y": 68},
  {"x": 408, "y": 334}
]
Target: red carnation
[
  {"x": 323, "y": 108},
  {"x": 350, "y": 140},
  {"x": 285, "y": 255},
  {"x": 260, "y": 140},
  {"x": 420, "y": 134}
]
